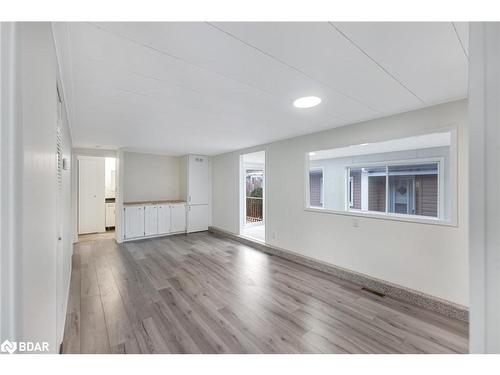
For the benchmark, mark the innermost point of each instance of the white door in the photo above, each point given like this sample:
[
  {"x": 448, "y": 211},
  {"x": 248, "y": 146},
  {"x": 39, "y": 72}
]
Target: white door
[
  {"x": 110, "y": 215},
  {"x": 163, "y": 219},
  {"x": 151, "y": 220},
  {"x": 198, "y": 179},
  {"x": 63, "y": 259},
  {"x": 134, "y": 221},
  {"x": 91, "y": 203},
  {"x": 197, "y": 218},
  {"x": 178, "y": 218}
]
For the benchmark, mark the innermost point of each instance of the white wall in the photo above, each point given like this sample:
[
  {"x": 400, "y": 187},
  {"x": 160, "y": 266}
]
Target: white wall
[
  {"x": 150, "y": 177},
  {"x": 10, "y": 187},
  {"x": 95, "y": 152},
  {"x": 484, "y": 182},
  {"x": 38, "y": 99},
  {"x": 428, "y": 258},
  {"x": 67, "y": 218}
]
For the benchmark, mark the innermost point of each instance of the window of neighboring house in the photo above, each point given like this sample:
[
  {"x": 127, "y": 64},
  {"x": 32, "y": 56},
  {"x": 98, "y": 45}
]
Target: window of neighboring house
[
  {"x": 406, "y": 189},
  {"x": 413, "y": 189},
  {"x": 408, "y": 179},
  {"x": 316, "y": 187},
  {"x": 351, "y": 191}
]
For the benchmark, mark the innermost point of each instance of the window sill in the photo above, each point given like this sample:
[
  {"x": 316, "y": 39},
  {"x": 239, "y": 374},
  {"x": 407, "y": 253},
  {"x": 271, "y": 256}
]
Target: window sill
[{"x": 385, "y": 216}]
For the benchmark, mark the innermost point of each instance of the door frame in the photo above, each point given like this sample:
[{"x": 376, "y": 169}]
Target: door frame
[{"x": 242, "y": 191}]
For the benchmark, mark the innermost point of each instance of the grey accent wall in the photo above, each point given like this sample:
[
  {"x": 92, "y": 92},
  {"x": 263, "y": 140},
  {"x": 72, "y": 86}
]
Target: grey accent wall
[{"x": 150, "y": 177}]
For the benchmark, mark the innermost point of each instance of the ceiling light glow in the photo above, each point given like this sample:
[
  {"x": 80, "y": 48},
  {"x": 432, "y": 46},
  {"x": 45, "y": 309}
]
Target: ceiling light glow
[{"x": 307, "y": 102}]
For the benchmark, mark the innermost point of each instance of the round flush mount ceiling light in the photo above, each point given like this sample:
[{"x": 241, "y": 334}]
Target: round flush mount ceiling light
[{"x": 307, "y": 102}]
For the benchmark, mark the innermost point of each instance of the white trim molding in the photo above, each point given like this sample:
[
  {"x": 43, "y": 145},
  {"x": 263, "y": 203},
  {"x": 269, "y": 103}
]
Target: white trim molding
[
  {"x": 10, "y": 187},
  {"x": 484, "y": 180}
]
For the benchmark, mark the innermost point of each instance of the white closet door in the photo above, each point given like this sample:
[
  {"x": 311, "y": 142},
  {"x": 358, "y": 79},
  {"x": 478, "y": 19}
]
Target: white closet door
[
  {"x": 134, "y": 221},
  {"x": 91, "y": 203},
  {"x": 178, "y": 217},
  {"x": 151, "y": 220},
  {"x": 198, "y": 179},
  {"x": 163, "y": 219},
  {"x": 197, "y": 218}
]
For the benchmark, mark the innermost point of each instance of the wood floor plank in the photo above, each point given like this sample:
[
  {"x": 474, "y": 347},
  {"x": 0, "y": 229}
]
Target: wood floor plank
[
  {"x": 94, "y": 334},
  {"x": 201, "y": 293},
  {"x": 192, "y": 323}
]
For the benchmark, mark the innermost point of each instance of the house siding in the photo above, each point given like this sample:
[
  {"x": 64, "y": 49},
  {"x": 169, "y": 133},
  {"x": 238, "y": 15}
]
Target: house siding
[
  {"x": 376, "y": 193},
  {"x": 357, "y": 189},
  {"x": 426, "y": 199},
  {"x": 315, "y": 186}
]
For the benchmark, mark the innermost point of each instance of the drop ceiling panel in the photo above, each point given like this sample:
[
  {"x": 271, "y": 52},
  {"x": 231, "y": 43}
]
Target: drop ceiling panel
[
  {"x": 194, "y": 49},
  {"x": 426, "y": 57},
  {"x": 190, "y": 87},
  {"x": 321, "y": 52}
]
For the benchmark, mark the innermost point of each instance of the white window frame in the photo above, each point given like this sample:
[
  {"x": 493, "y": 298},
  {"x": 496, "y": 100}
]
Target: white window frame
[
  {"x": 392, "y": 216},
  {"x": 350, "y": 190},
  {"x": 452, "y": 186}
]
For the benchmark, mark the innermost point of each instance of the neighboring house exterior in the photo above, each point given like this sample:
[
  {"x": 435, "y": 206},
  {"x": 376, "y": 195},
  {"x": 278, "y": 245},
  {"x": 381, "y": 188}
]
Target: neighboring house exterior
[
  {"x": 316, "y": 187},
  {"x": 409, "y": 194}
]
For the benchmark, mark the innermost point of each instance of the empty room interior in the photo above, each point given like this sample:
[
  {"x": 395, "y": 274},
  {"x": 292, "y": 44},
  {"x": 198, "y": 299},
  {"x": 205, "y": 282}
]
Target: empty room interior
[{"x": 250, "y": 187}]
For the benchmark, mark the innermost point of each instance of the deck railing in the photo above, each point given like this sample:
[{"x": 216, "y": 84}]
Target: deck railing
[{"x": 254, "y": 210}]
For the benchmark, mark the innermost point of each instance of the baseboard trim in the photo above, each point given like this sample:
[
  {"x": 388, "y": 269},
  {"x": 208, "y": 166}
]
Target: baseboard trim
[{"x": 395, "y": 291}]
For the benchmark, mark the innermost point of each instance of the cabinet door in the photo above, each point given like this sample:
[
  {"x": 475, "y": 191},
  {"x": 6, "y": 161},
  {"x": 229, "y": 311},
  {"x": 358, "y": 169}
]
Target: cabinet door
[
  {"x": 197, "y": 218},
  {"x": 110, "y": 215},
  {"x": 198, "y": 179},
  {"x": 134, "y": 221},
  {"x": 151, "y": 220},
  {"x": 163, "y": 219},
  {"x": 178, "y": 217}
]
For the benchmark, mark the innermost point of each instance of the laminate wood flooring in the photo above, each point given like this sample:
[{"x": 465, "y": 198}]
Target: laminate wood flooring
[{"x": 200, "y": 293}]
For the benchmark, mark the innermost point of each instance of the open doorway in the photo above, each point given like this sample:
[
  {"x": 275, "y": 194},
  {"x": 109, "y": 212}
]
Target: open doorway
[
  {"x": 96, "y": 197},
  {"x": 252, "y": 212}
]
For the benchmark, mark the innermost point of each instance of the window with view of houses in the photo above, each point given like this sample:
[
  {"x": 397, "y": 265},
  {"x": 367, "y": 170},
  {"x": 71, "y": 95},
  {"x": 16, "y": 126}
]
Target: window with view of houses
[
  {"x": 410, "y": 177},
  {"x": 409, "y": 189}
]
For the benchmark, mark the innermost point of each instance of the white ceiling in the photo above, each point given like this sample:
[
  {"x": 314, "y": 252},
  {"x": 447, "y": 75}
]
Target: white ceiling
[{"x": 209, "y": 88}]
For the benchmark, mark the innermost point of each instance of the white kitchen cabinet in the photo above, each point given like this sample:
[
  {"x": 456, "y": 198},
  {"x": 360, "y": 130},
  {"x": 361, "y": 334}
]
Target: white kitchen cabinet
[
  {"x": 110, "y": 215},
  {"x": 154, "y": 219},
  {"x": 197, "y": 181},
  {"x": 150, "y": 220},
  {"x": 134, "y": 221},
  {"x": 178, "y": 218},
  {"x": 163, "y": 218},
  {"x": 197, "y": 218}
]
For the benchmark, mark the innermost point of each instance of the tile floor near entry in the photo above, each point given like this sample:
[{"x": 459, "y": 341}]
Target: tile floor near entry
[{"x": 200, "y": 293}]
